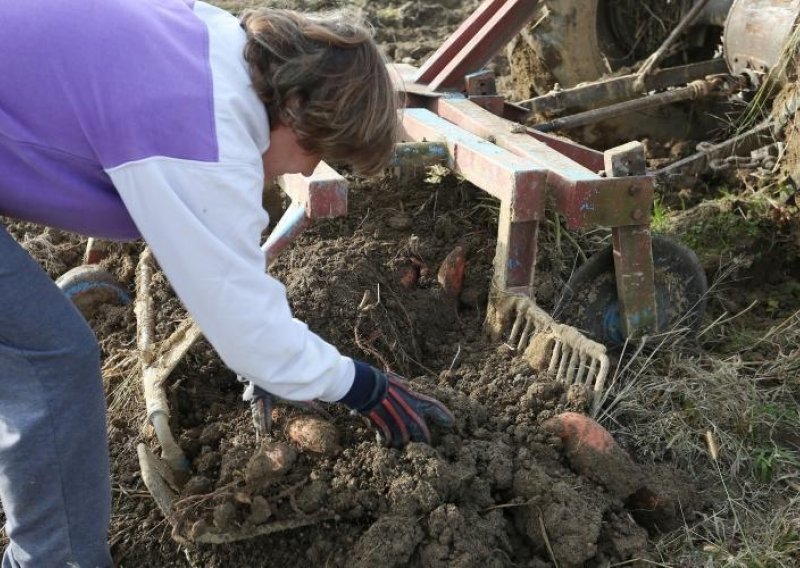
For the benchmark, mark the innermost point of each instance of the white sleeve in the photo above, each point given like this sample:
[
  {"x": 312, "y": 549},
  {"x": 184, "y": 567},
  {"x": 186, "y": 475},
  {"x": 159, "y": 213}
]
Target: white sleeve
[{"x": 203, "y": 222}]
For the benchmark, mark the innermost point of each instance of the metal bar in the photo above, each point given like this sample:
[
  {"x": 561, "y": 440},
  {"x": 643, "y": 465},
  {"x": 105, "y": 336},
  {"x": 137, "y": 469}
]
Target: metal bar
[
  {"x": 515, "y": 253},
  {"x": 291, "y": 224},
  {"x": 500, "y": 173},
  {"x": 518, "y": 184},
  {"x": 633, "y": 252},
  {"x": 421, "y": 96},
  {"x": 509, "y": 136},
  {"x": 323, "y": 193},
  {"x": 693, "y": 91},
  {"x": 658, "y": 54},
  {"x": 587, "y": 157},
  {"x": 582, "y": 196},
  {"x": 609, "y": 202},
  {"x": 474, "y": 45},
  {"x": 616, "y": 89},
  {"x": 456, "y": 42},
  {"x": 419, "y": 154}
]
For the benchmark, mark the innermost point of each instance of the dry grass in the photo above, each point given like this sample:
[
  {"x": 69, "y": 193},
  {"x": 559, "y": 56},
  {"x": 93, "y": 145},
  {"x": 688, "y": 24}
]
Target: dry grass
[{"x": 731, "y": 422}]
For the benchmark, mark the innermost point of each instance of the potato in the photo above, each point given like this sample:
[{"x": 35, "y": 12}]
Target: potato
[
  {"x": 272, "y": 461},
  {"x": 314, "y": 435}
]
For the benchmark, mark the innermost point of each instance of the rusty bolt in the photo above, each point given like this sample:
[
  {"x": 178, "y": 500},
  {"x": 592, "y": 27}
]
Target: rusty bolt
[
  {"x": 634, "y": 190},
  {"x": 637, "y": 214}
]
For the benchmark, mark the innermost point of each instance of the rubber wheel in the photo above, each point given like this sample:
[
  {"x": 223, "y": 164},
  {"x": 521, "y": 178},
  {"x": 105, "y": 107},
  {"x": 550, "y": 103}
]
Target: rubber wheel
[
  {"x": 561, "y": 44},
  {"x": 569, "y": 42},
  {"x": 89, "y": 287},
  {"x": 591, "y": 304}
]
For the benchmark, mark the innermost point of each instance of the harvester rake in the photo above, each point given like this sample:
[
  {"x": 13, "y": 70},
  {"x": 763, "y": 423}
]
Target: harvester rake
[
  {"x": 452, "y": 102},
  {"x": 562, "y": 351}
]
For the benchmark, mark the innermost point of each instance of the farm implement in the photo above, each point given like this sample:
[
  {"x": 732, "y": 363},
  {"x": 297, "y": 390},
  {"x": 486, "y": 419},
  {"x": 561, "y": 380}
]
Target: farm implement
[{"x": 453, "y": 115}]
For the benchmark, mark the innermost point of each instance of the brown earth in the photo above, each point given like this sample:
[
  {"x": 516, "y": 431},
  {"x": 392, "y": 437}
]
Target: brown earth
[
  {"x": 497, "y": 490},
  {"x": 500, "y": 489}
]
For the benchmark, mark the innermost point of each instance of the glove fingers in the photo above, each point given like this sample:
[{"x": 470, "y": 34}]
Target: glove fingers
[
  {"x": 397, "y": 422},
  {"x": 378, "y": 419},
  {"x": 427, "y": 405},
  {"x": 437, "y": 412},
  {"x": 416, "y": 424}
]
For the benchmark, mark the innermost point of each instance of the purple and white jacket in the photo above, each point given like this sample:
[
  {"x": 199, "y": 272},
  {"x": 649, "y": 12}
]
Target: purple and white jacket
[{"x": 128, "y": 118}]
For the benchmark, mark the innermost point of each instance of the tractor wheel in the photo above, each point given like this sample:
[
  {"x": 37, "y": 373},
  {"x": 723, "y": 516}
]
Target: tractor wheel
[
  {"x": 591, "y": 304},
  {"x": 569, "y": 42}
]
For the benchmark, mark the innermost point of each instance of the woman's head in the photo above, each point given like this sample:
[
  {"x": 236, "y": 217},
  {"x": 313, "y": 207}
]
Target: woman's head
[{"x": 323, "y": 76}]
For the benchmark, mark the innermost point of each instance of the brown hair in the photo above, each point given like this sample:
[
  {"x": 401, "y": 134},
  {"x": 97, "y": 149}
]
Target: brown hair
[{"x": 323, "y": 75}]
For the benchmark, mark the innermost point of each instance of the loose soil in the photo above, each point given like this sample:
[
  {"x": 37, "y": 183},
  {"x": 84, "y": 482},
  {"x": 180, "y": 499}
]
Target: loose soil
[{"x": 497, "y": 490}]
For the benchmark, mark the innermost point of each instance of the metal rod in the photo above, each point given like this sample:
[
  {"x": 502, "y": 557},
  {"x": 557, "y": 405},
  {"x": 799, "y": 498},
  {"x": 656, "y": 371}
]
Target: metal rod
[
  {"x": 290, "y": 225},
  {"x": 658, "y": 54},
  {"x": 607, "y": 91},
  {"x": 694, "y": 90},
  {"x": 419, "y": 154}
]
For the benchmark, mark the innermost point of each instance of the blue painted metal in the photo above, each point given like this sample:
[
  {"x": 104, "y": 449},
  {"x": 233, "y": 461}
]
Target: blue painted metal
[{"x": 290, "y": 225}]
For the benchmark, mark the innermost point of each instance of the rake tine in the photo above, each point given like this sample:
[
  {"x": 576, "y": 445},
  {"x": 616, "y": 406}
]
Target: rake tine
[
  {"x": 566, "y": 352},
  {"x": 573, "y": 365},
  {"x": 602, "y": 373},
  {"x": 592, "y": 371},
  {"x": 581, "y": 369},
  {"x": 515, "y": 328},
  {"x": 523, "y": 338},
  {"x": 554, "y": 358}
]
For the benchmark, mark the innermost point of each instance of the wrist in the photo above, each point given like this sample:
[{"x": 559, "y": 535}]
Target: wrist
[{"x": 368, "y": 390}]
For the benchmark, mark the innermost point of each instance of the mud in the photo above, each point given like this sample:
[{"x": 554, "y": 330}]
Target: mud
[{"x": 499, "y": 489}]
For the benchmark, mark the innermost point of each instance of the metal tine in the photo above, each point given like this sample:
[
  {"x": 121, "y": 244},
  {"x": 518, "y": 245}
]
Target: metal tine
[
  {"x": 516, "y": 326},
  {"x": 602, "y": 374},
  {"x": 566, "y": 352},
  {"x": 523, "y": 339},
  {"x": 581, "y": 369},
  {"x": 555, "y": 357},
  {"x": 573, "y": 364},
  {"x": 592, "y": 371}
]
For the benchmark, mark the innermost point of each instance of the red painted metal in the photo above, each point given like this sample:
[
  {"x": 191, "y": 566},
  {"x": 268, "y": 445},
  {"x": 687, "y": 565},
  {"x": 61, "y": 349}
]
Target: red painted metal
[
  {"x": 606, "y": 202},
  {"x": 421, "y": 96},
  {"x": 457, "y": 41},
  {"x": 633, "y": 250},
  {"x": 320, "y": 196},
  {"x": 516, "y": 182},
  {"x": 324, "y": 193},
  {"x": 500, "y": 173},
  {"x": 473, "y": 44}
]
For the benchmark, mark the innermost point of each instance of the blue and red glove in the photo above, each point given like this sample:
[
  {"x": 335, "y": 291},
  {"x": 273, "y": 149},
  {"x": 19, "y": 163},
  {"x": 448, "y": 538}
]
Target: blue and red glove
[{"x": 398, "y": 413}]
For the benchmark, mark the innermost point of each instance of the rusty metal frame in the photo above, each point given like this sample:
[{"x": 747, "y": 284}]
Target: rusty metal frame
[
  {"x": 475, "y": 42},
  {"x": 516, "y": 182},
  {"x": 323, "y": 195},
  {"x": 489, "y": 147}
]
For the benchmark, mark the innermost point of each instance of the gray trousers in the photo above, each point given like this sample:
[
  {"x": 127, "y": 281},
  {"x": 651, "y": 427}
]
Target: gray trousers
[{"x": 54, "y": 471}]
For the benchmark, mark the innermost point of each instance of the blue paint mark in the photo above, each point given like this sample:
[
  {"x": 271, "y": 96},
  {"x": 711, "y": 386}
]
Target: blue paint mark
[
  {"x": 81, "y": 287},
  {"x": 513, "y": 263},
  {"x": 612, "y": 323}
]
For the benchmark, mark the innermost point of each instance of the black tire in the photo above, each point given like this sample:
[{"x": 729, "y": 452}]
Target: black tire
[
  {"x": 562, "y": 43},
  {"x": 590, "y": 300}
]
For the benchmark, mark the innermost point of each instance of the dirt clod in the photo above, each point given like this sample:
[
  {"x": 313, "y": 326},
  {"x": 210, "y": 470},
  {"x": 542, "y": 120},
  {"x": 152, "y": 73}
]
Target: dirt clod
[{"x": 260, "y": 510}]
